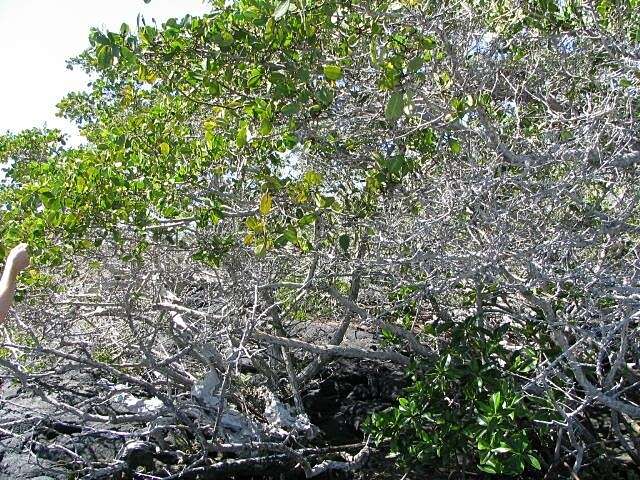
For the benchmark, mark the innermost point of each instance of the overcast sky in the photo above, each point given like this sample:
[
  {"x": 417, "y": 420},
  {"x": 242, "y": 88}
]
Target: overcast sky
[{"x": 37, "y": 36}]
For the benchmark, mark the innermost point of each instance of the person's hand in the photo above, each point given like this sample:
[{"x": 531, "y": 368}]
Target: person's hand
[{"x": 19, "y": 257}]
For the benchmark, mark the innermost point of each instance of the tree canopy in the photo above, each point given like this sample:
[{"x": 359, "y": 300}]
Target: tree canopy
[{"x": 459, "y": 177}]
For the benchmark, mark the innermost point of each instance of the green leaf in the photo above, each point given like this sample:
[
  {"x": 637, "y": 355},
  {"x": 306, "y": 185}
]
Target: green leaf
[
  {"x": 487, "y": 468},
  {"x": 415, "y": 64},
  {"x": 325, "y": 96},
  {"x": 127, "y": 56},
  {"x": 344, "y": 242},
  {"x": 332, "y": 72},
  {"x": 501, "y": 450},
  {"x": 312, "y": 178},
  {"x": 254, "y": 77},
  {"x": 265, "y": 203},
  {"x": 242, "y": 135},
  {"x": 324, "y": 201},
  {"x": 535, "y": 463},
  {"x": 307, "y": 219},
  {"x": 209, "y": 139},
  {"x": 395, "y": 106},
  {"x": 282, "y": 9},
  {"x": 97, "y": 37},
  {"x": 290, "y": 235},
  {"x": 104, "y": 56},
  {"x": 395, "y": 164},
  {"x": 265, "y": 126},
  {"x": 496, "y": 400},
  {"x": 291, "y": 109},
  {"x": 315, "y": 110}
]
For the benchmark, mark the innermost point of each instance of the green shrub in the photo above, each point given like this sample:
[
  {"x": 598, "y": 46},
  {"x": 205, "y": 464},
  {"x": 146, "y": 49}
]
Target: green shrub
[{"x": 466, "y": 410}]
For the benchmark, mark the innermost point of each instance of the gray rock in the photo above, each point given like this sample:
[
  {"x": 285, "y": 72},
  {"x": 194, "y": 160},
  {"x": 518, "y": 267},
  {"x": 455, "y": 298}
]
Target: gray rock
[
  {"x": 204, "y": 390},
  {"x": 283, "y": 420},
  {"x": 125, "y": 402},
  {"x": 19, "y": 464}
]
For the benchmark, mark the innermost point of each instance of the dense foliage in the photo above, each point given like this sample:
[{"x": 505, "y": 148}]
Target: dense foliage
[{"x": 460, "y": 177}]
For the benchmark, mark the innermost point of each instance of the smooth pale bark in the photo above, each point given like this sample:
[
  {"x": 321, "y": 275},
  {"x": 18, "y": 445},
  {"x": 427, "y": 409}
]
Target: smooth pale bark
[{"x": 17, "y": 260}]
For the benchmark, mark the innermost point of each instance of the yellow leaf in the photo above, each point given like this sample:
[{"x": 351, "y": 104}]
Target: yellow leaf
[
  {"x": 165, "y": 148},
  {"x": 265, "y": 203}
]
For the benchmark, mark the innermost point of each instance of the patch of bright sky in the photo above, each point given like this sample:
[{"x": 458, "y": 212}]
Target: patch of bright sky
[{"x": 38, "y": 36}]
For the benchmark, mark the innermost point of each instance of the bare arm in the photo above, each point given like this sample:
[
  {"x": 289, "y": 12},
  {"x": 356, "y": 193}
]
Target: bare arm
[{"x": 17, "y": 260}]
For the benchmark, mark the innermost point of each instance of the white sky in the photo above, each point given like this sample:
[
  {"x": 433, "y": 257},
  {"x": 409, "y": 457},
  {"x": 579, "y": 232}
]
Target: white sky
[{"x": 38, "y": 36}]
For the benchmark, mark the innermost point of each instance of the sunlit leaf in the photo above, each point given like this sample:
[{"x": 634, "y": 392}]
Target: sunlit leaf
[
  {"x": 165, "y": 148},
  {"x": 282, "y": 9},
  {"x": 265, "y": 203},
  {"x": 332, "y": 72}
]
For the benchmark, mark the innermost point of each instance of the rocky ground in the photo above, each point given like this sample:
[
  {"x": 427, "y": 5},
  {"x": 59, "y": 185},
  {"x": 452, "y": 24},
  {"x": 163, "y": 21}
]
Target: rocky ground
[{"x": 37, "y": 441}]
